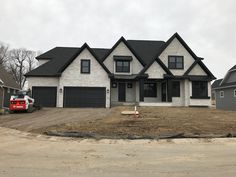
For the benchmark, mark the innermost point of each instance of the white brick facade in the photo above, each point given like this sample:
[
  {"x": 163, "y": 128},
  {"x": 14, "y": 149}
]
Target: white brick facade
[{"x": 98, "y": 77}]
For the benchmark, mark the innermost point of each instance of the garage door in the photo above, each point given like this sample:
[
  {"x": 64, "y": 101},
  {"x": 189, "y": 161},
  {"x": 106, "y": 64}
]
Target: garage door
[
  {"x": 84, "y": 96},
  {"x": 45, "y": 96}
]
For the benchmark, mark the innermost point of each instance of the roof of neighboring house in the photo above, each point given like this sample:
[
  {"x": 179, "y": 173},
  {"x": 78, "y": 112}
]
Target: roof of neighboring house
[
  {"x": 233, "y": 68},
  {"x": 7, "y": 79},
  {"x": 220, "y": 83},
  {"x": 216, "y": 83}
]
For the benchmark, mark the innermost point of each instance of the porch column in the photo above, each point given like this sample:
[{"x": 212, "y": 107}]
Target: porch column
[
  {"x": 169, "y": 90},
  {"x": 141, "y": 90}
]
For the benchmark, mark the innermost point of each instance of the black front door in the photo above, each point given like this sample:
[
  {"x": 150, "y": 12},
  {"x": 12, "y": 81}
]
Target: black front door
[
  {"x": 163, "y": 92},
  {"x": 121, "y": 92}
]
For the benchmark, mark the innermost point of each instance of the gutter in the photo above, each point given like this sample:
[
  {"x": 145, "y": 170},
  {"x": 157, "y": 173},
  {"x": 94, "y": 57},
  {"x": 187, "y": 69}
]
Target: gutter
[{"x": 217, "y": 88}]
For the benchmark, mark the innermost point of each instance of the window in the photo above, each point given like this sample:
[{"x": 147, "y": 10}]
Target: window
[
  {"x": 199, "y": 89},
  {"x": 176, "y": 62},
  {"x": 222, "y": 94},
  {"x": 150, "y": 90},
  {"x": 8, "y": 90},
  {"x": 85, "y": 66},
  {"x": 235, "y": 93},
  {"x": 175, "y": 89},
  {"x": 122, "y": 66}
]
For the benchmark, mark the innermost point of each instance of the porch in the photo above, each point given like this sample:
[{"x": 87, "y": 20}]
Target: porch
[{"x": 141, "y": 91}]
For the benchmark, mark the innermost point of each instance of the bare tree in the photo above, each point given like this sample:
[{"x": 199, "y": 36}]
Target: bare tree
[
  {"x": 3, "y": 52},
  {"x": 19, "y": 62}
]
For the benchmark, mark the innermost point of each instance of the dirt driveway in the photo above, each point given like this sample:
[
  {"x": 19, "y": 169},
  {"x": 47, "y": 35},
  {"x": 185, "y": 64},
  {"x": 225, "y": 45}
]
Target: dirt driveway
[
  {"x": 26, "y": 155},
  {"x": 51, "y": 116}
]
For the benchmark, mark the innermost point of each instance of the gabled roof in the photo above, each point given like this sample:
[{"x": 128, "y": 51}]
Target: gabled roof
[
  {"x": 146, "y": 51},
  {"x": 220, "y": 83},
  {"x": 216, "y": 83},
  {"x": 201, "y": 64},
  {"x": 59, "y": 57},
  {"x": 233, "y": 68},
  {"x": 196, "y": 58},
  {"x": 7, "y": 79},
  {"x": 122, "y": 39},
  {"x": 158, "y": 60},
  {"x": 85, "y": 46}
]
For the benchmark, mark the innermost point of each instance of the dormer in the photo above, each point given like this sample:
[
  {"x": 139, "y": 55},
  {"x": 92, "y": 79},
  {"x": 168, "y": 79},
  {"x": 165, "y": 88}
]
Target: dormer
[{"x": 122, "y": 59}]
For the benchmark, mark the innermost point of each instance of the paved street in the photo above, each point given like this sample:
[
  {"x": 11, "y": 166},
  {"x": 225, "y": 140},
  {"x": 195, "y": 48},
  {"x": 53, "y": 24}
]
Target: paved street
[{"x": 27, "y": 155}]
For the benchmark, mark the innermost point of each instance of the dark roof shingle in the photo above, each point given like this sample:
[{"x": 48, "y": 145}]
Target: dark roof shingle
[
  {"x": 59, "y": 56},
  {"x": 147, "y": 50}
]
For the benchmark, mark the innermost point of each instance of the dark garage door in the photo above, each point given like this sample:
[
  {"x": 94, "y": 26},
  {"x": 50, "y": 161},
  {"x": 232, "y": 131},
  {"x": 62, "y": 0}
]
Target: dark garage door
[
  {"x": 84, "y": 96},
  {"x": 45, "y": 96}
]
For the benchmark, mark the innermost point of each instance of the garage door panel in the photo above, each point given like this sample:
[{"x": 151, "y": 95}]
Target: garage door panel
[
  {"x": 84, "y": 96},
  {"x": 45, "y": 96}
]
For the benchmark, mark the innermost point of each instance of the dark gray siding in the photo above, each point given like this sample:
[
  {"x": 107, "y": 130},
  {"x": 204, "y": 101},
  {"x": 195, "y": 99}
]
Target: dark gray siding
[
  {"x": 1, "y": 97},
  {"x": 7, "y": 96},
  {"x": 228, "y": 102}
]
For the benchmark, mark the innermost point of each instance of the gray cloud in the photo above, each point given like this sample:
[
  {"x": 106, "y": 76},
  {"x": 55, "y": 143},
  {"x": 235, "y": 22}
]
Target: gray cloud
[{"x": 207, "y": 26}]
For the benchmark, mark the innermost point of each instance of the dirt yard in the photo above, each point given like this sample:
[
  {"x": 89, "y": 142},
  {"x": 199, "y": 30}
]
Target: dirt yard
[
  {"x": 50, "y": 116},
  {"x": 154, "y": 122}
]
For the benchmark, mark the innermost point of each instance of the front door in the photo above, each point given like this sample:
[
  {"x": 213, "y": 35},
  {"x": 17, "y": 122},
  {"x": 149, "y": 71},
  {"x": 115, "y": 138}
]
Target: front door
[
  {"x": 121, "y": 92},
  {"x": 163, "y": 91}
]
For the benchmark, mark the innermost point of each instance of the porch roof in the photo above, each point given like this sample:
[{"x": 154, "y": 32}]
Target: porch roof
[{"x": 128, "y": 77}]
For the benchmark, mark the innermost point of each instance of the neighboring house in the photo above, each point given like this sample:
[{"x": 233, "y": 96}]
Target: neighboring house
[
  {"x": 224, "y": 91},
  {"x": 8, "y": 87},
  {"x": 148, "y": 73}
]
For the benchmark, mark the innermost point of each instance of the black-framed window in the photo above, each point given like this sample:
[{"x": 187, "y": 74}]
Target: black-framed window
[
  {"x": 85, "y": 66},
  {"x": 176, "y": 89},
  {"x": 175, "y": 62},
  {"x": 199, "y": 89},
  {"x": 150, "y": 90},
  {"x": 122, "y": 66}
]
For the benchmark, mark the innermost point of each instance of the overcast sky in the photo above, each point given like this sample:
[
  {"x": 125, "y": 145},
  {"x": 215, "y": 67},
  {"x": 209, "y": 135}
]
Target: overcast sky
[{"x": 207, "y": 26}]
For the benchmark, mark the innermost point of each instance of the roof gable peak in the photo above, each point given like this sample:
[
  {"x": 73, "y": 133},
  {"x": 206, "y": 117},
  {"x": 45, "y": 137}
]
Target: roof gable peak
[{"x": 122, "y": 39}]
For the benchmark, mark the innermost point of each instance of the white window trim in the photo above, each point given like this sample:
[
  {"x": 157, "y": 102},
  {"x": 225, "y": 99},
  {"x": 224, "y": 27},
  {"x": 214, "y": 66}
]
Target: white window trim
[
  {"x": 234, "y": 92},
  {"x": 222, "y": 96}
]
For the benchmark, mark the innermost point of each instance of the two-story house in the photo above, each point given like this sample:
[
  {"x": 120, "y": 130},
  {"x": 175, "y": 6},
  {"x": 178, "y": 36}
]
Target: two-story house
[
  {"x": 224, "y": 91},
  {"x": 147, "y": 73}
]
